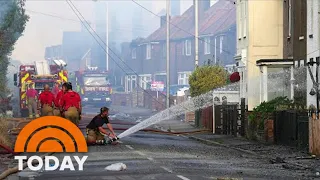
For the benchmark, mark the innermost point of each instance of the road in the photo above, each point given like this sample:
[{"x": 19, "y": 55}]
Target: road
[{"x": 157, "y": 156}]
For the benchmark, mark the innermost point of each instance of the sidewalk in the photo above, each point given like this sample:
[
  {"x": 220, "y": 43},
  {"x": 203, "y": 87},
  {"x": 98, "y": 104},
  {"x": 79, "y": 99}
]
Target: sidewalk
[{"x": 288, "y": 157}]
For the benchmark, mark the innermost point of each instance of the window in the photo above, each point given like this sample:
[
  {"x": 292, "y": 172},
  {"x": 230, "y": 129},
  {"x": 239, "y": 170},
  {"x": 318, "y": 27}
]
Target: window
[
  {"x": 221, "y": 44},
  {"x": 188, "y": 47},
  {"x": 95, "y": 81},
  {"x": 164, "y": 50},
  {"x": 183, "y": 78},
  {"x": 131, "y": 82},
  {"x": 289, "y": 19},
  {"x": 134, "y": 53},
  {"x": 127, "y": 85},
  {"x": 207, "y": 45},
  {"x": 148, "y": 51},
  {"x": 145, "y": 81}
]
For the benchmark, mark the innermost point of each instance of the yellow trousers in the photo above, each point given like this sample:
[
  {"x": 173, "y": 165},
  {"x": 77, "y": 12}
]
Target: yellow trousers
[
  {"x": 94, "y": 135},
  {"x": 46, "y": 110},
  {"x": 32, "y": 107},
  {"x": 56, "y": 112},
  {"x": 72, "y": 114}
]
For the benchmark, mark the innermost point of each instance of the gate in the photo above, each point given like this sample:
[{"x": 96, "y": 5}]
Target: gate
[
  {"x": 292, "y": 128},
  {"x": 227, "y": 119}
]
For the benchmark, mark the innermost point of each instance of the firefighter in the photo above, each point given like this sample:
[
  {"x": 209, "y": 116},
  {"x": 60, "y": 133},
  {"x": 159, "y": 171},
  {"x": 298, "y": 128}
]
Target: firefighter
[
  {"x": 46, "y": 101},
  {"x": 56, "y": 89},
  {"x": 32, "y": 95},
  {"x": 95, "y": 131},
  {"x": 57, "y": 110},
  {"x": 70, "y": 104}
]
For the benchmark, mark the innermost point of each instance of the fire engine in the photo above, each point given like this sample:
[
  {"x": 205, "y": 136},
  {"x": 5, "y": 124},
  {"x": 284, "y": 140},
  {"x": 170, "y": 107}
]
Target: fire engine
[
  {"x": 93, "y": 86},
  {"x": 38, "y": 75}
]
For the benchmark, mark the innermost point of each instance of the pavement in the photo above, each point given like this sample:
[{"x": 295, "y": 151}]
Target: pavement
[
  {"x": 287, "y": 157},
  {"x": 186, "y": 157}
]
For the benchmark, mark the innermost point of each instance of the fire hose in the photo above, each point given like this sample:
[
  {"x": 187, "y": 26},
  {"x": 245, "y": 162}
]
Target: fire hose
[{"x": 143, "y": 130}]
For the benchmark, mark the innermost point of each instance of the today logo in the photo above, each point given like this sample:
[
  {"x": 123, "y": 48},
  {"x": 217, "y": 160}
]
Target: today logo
[{"x": 51, "y": 134}]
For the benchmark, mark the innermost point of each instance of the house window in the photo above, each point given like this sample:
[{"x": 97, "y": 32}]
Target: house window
[
  {"x": 164, "y": 50},
  {"x": 207, "y": 45},
  {"x": 145, "y": 81},
  {"x": 134, "y": 53},
  {"x": 289, "y": 18},
  {"x": 148, "y": 51},
  {"x": 183, "y": 78},
  {"x": 130, "y": 82},
  {"x": 221, "y": 44},
  {"x": 188, "y": 47},
  {"x": 133, "y": 81}
]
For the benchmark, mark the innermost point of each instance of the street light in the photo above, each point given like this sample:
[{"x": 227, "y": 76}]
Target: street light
[{"x": 315, "y": 89}]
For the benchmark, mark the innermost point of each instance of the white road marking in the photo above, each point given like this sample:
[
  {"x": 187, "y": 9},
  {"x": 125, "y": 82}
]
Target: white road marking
[
  {"x": 166, "y": 169},
  {"x": 182, "y": 177},
  {"x": 128, "y": 146},
  {"x": 150, "y": 158},
  {"x": 140, "y": 153}
]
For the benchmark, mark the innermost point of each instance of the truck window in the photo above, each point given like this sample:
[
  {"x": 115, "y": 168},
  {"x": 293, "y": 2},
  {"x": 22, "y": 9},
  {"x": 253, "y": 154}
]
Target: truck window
[{"x": 95, "y": 81}]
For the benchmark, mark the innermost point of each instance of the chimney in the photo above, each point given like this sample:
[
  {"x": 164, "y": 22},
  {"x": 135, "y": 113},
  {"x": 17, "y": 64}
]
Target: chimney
[{"x": 163, "y": 20}]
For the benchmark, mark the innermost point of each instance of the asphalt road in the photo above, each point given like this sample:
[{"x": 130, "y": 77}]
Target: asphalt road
[{"x": 157, "y": 156}]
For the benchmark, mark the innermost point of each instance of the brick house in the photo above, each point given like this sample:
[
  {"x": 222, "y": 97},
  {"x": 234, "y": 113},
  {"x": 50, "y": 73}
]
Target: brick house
[{"x": 217, "y": 42}]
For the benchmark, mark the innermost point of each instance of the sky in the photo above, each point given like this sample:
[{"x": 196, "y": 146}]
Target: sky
[{"x": 43, "y": 30}]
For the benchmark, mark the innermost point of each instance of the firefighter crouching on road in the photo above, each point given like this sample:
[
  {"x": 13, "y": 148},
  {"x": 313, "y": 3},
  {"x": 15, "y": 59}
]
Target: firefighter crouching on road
[
  {"x": 95, "y": 131},
  {"x": 46, "y": 101},
  {"x": 32, "y": 95},
  {"x": 57, "y": 110},
  {"x": 71, "y": 105}
]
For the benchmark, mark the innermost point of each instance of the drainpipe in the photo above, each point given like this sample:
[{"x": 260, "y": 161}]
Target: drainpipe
[
  {"x": 265, "y": 84},
  {"x": 292, "y": 83}
]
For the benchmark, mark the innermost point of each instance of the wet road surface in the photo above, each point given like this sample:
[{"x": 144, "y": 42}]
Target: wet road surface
[{"x": 153, "y": 156}]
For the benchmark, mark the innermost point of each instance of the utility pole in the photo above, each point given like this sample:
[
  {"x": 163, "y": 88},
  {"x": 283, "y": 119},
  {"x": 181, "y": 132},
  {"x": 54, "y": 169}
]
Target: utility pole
[
  {"x": 168, "y": 54},
  {"x": 107, "y": 38},
  {"x": 196, "y": 40}
]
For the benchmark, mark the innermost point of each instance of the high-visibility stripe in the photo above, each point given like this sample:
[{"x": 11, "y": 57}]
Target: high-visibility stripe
[
  {"x": 25, "y": 78},
  {"x": 23, "y": 95},
  {"x": 62, "y": 76}
]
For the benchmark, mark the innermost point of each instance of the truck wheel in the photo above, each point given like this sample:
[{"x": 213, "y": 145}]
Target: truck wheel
[{"x": 24, "y": 113}]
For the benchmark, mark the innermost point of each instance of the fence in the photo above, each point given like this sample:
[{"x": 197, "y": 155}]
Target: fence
[{"x": 291, "y": 128}]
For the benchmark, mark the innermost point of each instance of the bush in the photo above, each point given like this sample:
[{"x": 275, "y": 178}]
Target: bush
[
  {"x": 4, "y": 136},
  {"x": 264, "y": 112},
  {"x": 207, "y": 78}
]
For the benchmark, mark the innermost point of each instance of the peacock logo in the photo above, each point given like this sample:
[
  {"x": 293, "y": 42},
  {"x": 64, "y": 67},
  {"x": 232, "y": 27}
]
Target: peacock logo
[{"x": 50, "y": 134}]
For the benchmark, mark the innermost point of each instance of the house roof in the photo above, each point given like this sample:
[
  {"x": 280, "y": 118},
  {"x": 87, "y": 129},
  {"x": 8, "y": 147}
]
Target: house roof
[{"x": 218, "y": 18}]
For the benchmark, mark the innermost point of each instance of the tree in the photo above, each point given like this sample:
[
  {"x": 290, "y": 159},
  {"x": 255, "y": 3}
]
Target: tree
[
  {"x": 207, "y": 78},
  {"x": 12, "y": 23}
]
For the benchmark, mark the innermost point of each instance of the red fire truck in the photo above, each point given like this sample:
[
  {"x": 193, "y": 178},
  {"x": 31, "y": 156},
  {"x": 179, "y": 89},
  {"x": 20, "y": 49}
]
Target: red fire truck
[
  {"x": 39, "y": 74},
  {"x": 94, "y": 87}
]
